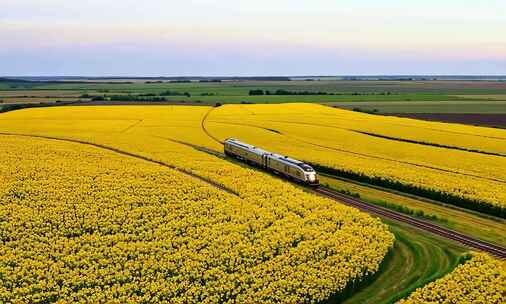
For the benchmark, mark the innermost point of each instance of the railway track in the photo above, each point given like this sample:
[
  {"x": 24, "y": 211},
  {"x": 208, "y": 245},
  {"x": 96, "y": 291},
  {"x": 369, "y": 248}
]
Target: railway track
[
  {"x": 463, "y": 239},
  {"x": 423, "y": 225},
  {"x": 473, "y": 243}
]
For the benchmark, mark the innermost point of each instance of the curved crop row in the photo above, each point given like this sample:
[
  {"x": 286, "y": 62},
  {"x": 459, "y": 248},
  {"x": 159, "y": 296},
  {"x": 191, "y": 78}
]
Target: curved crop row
[
  {"x": 314, "y": 133},
  {"x": 80, "y": 224},
  {"x": 480, "y": 280},
  {"x": 327, "y": 137}
]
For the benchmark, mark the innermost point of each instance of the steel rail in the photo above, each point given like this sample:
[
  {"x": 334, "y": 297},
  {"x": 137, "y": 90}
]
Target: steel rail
[{"x": 468, "y": 241}]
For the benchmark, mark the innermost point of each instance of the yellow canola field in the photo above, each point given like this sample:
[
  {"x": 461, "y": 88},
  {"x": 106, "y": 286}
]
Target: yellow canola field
[
  {"x": 485, "y": 139},
  {"x": 83, "y": 224},
  {"x": 272, "y": 242},
  {"x": 329, "y": 137},
  {"x": 480, "y": 280},
  {"x": 314, "y": 133}
]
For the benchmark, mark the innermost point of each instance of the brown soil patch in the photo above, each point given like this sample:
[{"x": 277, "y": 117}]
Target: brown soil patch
[{"x": 488, "y": 120}]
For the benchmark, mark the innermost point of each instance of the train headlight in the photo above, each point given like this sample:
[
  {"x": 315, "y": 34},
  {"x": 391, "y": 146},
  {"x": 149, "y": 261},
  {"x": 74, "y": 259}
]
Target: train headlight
[{"x": 311, "y": 177}]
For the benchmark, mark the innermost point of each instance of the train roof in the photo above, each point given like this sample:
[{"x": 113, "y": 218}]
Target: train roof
[
  {"x": 286, "y": 159},
  {"x": 292, "y": 161},
  {"x": 247, "y": 146}
]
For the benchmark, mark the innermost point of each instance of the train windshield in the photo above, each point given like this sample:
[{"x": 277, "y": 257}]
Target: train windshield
[{"x": 306, "y": 168}]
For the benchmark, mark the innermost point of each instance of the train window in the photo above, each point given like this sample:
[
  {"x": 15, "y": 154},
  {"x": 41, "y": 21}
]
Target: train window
[{"x": 306, "y": 168}]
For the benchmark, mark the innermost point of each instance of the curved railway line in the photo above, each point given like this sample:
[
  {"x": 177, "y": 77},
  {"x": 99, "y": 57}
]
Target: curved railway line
[
  {"x": 468, "y": 241},
  {"x": 423, "y": 225}
]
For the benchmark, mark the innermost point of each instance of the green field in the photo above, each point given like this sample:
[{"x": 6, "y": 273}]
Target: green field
[
  {"x": 243, "y": 86},
  {"x": 418, "y": 106},
  {"x": 381, "y": 96},
  {"x": 484, "y": 227},
  {"x": 416, "y": 259}
]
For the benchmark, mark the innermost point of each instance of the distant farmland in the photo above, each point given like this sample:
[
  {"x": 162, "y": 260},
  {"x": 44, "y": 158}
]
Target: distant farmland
[{"x": 386, "y": 96}]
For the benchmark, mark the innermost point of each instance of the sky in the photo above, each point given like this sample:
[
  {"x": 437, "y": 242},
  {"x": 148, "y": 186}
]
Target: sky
[{"x": 252, "y": 37}]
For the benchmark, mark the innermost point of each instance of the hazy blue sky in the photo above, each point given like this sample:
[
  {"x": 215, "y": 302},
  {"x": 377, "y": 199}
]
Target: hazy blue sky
[{"x": 257, "y": 37}]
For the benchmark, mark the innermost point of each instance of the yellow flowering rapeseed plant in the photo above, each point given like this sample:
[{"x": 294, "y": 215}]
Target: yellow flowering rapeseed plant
[
  {"x": 84, "y": 224},
  {"x": 80, "y": 224},
  {"x": 400, "y": 152},
  {"x": 371, "y": 147},
  {"x": 480, "y": 280}
]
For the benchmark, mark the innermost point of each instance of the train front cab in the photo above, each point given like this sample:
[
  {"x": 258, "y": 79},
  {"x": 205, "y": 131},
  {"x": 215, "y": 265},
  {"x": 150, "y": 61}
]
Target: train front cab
[{"x": 311, "y": 178}]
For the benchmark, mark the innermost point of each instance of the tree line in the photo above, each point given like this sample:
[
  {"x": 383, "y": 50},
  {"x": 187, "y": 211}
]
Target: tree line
[{"x": 256, "y": 92}]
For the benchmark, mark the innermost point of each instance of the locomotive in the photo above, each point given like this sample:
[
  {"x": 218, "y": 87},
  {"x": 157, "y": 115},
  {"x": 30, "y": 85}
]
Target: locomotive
[{"x": 282, "y": 165}]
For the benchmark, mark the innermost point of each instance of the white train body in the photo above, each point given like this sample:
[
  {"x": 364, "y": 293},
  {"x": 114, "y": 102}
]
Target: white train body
[{"x": 292, "y": 168}]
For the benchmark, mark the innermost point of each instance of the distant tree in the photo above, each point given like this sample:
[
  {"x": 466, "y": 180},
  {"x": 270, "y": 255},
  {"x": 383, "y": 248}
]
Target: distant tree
[
  {"x": 172, "y": 93},
  {"x": 256, "y": 92},
  {"x": 180, "y": 81},
  {"x": 98, "y": 98}
]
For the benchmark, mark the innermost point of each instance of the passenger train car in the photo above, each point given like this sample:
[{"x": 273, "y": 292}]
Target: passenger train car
[{"x": 288, "y": 167}]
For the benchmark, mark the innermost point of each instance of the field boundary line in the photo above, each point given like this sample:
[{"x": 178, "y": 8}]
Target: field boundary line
[
  {"x": 464, "y": 239},
  {"x": 247, "y": 125},
  {"x": 401, "y": 162},
  {"x": 426, "y": 128},
  {"x": 402, "y": 125},
  {"x": 423, "y": 143},
  {"x": 203, "y": 125},
  {"x": 132, "y": 126},
  {"x": 416, "y": 197},
  {"x": 296, "y": 138},
  {"x": 196, "y": 147},
  {"x": 130, "y": 154}
]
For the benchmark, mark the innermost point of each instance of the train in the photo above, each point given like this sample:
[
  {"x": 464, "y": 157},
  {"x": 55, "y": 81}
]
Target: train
[{"x": 282, "y": 165}]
